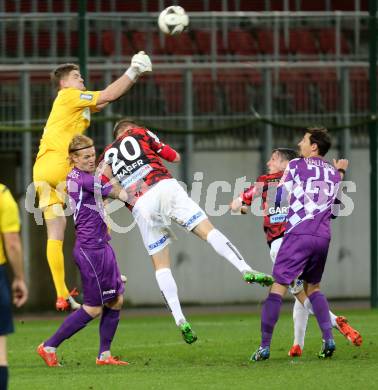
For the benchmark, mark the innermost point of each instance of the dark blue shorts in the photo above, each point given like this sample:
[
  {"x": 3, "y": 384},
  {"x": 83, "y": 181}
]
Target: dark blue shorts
[{"x": 6, "y": 321}]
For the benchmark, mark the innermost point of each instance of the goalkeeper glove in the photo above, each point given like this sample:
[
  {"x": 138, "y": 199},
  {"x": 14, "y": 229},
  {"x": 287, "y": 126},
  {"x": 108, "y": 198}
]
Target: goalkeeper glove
[{"x": 140, "y": 63}]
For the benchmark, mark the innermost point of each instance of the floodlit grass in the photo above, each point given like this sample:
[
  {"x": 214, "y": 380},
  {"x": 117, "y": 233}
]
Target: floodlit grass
[{"x": 159, "y": 358}]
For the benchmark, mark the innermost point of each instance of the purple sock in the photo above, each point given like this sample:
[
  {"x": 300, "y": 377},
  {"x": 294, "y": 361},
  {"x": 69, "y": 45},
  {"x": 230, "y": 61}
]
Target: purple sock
[
  {"x": 108, "y": 326},
  {"x": 321, "y": 311},
  {"x": 269, "y": 316},
  {"x": 72, "y": 324}
]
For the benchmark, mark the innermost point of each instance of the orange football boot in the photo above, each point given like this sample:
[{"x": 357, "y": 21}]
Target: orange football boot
[
  {"x": 63, "y": 304},
  {"x": 111, "y": 360},
  {"x": 49, "y": 357},
  {"x": 295, "y": 351},
  {"x": 347, "y": 331}
]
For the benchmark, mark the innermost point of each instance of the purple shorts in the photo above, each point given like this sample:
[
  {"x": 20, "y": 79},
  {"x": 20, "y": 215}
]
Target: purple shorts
[
  {"x": 100, "y": 275},
  {"x": 301, "y": 256}
]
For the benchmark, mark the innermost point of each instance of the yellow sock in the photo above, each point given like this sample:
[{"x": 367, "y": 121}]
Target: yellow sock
[{"x": 55, "y": 259}]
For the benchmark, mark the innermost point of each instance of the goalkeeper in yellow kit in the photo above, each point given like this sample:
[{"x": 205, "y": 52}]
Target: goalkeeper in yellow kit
[{"x": 70, "y": 115}]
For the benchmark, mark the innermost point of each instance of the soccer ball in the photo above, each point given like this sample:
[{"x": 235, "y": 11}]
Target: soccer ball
[{"x": 173, "y": 20}]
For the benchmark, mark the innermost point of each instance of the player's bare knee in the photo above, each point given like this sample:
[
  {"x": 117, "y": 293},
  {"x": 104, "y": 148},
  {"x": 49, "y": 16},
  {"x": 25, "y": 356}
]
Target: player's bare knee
[
  {"x": 311, "y": 288},
  {"x": 93, "y": 311},
  {"x": 116, "y": 303},
  {"x": 203, "y": 229}
]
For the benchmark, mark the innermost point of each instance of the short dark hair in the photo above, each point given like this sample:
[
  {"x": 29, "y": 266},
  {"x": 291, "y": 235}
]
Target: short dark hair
[
  {"x": 286, "y": 153},
  {"x": 121, "y": 124},
  {"x": 60, "y": 72},
  {"x": 320, "y": 137}
]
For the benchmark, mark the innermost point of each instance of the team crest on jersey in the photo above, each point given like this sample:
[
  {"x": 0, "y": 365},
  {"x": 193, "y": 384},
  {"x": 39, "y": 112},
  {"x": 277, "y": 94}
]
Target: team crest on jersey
[{"x": 86, "y": 96}]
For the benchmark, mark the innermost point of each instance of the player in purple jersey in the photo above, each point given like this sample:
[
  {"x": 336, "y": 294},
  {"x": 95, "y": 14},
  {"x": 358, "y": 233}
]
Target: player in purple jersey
[
  {"x": 274, "y": 227},
  {"x": 101, "y": 279},
  {"x": 312, "y": 184}
]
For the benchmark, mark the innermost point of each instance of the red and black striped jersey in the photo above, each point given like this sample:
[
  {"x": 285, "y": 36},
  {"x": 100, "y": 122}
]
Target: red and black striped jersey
[
  {"x": 135, "y": 160},
  {"x": 275, "y": 213}
]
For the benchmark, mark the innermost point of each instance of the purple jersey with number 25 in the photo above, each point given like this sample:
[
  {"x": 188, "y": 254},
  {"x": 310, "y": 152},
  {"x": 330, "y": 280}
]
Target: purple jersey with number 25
[{"x": 312, "y": 184}]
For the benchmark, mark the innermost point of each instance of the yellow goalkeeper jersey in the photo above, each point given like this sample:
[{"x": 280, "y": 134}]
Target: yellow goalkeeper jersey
[
  {"x": 70, "y": 115},
  {"x": 9, "y": 217}
]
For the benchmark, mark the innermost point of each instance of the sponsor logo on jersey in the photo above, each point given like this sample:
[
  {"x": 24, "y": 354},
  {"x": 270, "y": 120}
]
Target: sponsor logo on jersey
[
  {"x": 158, "y": 243},
  {"x": 136, "y": 176},
  {"x": 278, "y": 218},
  {"x": 107, "y": 292},
  {"x": 86, "y": 96}
]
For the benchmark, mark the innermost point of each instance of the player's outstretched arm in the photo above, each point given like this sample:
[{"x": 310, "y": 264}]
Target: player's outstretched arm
[{"x": 140, "y": 64}]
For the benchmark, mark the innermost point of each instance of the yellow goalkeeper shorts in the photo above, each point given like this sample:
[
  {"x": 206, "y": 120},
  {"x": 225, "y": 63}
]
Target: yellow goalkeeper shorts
[{"x": 49, "y": 175}]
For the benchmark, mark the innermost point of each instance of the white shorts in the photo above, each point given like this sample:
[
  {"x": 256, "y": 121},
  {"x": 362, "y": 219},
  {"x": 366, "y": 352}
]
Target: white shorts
[
  {"x": 297, "y": 286},
  {"x": 165, "y": 202}
]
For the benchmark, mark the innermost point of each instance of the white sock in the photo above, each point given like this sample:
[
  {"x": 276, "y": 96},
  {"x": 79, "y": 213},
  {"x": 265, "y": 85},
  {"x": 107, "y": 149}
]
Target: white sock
[
  {"x": 105, "y": 355},
  {"x": 168, "y": 289},
  {"x": 308, "y": 306},
  {"x": 224, "y": 248},
  {"x": 300, "y": 318},
  {"x": 333, "y": 319},
  {"x": 49, "y": 349}
]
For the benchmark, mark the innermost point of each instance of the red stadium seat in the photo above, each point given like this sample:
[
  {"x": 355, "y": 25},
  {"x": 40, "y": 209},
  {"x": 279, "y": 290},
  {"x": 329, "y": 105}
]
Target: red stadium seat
[
  {"x": 172, "y": 91},
  {"x": 295, "y": 85},
  {"x": 302, "y": 41},
  {"x": 266, "y": 42},
  {"x": 215, "y": 5},
  {"x": 343, "y": 5},
  {"x": 318, "y": 5},
  {"x": 235, "y": 86},
  {"x": 129, "y": 6},
  {"x": 241, "y": 42},
  {"x": 192, "y": 5},
  {"x": 140, "y": 42},
  {"x": 180, "y": 44},
  {"x": 203, "y": 41},
  {"x": 205, "y": 92},
  {"x": 248, "y": 5},
  {"x": 328, "y": 86},
  {"x": 327, "y": 42},
  {"x": 359, "y": 82},
  {"x": 108, "y": 44}
]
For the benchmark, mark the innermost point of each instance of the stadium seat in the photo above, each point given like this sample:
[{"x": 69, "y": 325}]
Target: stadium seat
[
  {"x": 205, "y": 93},
  {"x": 302, "y": 41},
  {"x": 140, "y": 42},
  {"x": 343, "y": 5},
  {"x": 241, "y": 42},
  {"x": 181, "y": 44},
  {"x": 44, "y": 42},
  {"x": 359, "y": 83},
  {"x": 266, "y": 42},
  {"x": 327, "y": 84},
  {"x": 215, "y": 5},
  {"x": 128, "y": 6},
  {"x": 171, "y": 91},
  {"x": 108, "y": 44},
  {"x": 234, "y": 85},
  {"x": 248, "y": 5},
  {"x": 319, "y": 5},
  {"x": 327, "y": 42},
  {"x": 295, "y": 87},
  {"x": 192, "y": 5},
  {"x": 203, "y": 41}
]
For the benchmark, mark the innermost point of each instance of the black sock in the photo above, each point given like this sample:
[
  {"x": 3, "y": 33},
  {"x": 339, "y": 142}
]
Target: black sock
[{"x": 3, "y": 377}]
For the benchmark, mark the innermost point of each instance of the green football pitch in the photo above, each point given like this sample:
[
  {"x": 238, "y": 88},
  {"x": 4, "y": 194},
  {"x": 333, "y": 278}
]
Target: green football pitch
[{"x": 159, "y": 358}]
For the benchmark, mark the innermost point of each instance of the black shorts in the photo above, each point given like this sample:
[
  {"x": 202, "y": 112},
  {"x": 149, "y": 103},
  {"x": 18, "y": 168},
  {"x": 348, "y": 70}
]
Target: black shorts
[{"x": 6, "y": 320}]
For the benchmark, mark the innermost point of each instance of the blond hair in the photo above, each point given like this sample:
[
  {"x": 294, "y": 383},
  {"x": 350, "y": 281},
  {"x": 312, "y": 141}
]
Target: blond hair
[{"x": 78, "y": 142}]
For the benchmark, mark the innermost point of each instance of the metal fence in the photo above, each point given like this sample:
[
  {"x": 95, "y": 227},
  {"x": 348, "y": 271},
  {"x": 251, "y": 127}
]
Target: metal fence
[{"x": 45, "y": 37}]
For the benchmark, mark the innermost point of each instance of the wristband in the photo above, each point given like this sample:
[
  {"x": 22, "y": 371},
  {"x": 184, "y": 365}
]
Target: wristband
[
  {"x": 132, "y": 73},
  {"x": 341, "y": 170}
]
